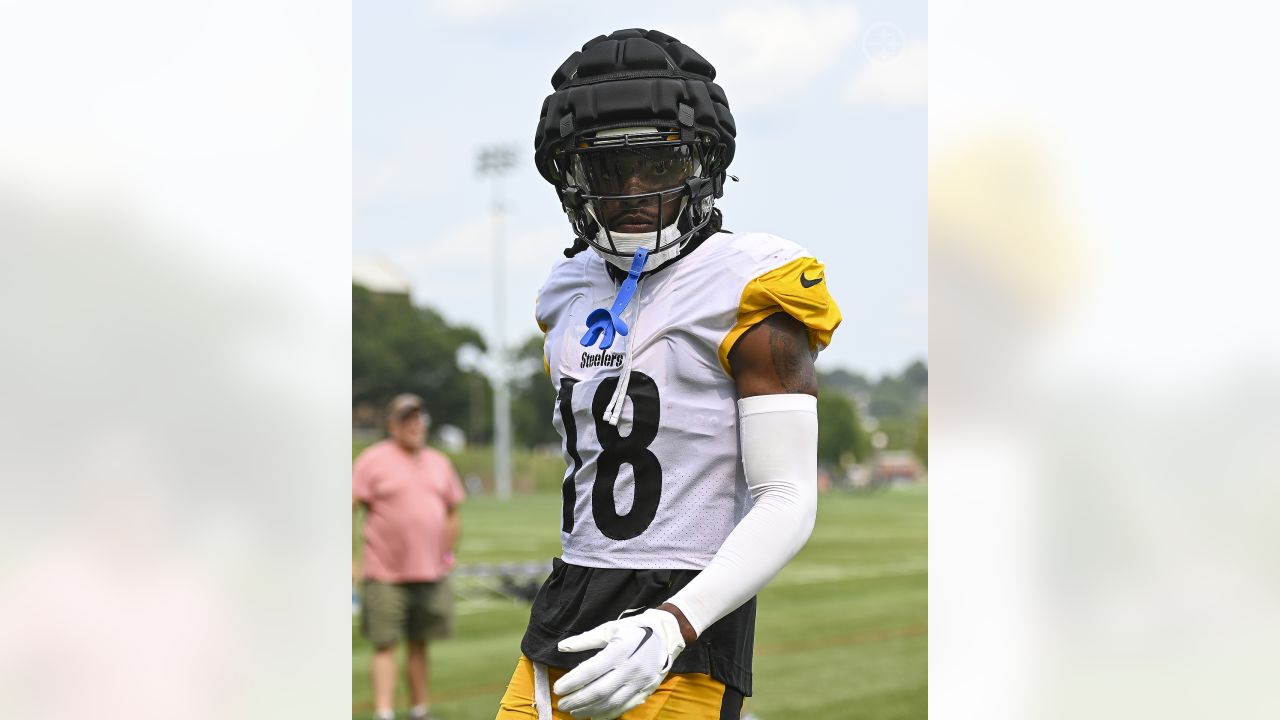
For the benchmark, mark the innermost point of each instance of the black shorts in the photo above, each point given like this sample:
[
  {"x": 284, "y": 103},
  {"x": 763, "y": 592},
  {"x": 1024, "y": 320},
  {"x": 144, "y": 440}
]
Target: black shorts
[{"x": 575, "y": 599}]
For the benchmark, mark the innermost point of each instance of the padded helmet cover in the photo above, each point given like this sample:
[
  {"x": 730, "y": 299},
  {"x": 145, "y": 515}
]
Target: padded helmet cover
[{"x": 634, "y": 78}]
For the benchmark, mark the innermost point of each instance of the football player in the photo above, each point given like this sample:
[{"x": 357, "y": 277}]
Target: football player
[{"x": 683, "y": 356}]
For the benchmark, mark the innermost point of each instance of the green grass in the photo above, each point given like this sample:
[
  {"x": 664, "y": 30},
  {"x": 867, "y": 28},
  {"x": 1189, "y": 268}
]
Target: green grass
[{"x": 841, "y": 632}]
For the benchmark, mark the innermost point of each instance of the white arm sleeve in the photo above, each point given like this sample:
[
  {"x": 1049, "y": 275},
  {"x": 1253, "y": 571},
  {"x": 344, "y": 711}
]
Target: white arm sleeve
[{"x": 779, "y": 439}]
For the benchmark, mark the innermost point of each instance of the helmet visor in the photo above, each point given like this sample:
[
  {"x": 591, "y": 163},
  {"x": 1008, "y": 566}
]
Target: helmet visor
[{"x": 634, "y": 170}]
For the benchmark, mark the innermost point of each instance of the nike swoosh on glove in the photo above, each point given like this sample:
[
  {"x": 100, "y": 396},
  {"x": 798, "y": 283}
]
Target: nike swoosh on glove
[{"x": 638, "y": 652}]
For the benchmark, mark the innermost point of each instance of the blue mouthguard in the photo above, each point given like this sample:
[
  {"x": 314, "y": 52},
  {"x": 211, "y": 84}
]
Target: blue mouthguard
[{"x": 609, "y": 322}]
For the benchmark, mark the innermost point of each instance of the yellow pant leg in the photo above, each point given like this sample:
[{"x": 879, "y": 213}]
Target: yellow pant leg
[
  {"x": 517, "y": 701},
  {"x": 688, "y": 696}
]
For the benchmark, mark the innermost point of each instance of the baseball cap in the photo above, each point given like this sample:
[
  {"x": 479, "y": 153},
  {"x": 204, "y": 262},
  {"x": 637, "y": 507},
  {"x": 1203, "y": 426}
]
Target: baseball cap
[{"x": 402, "y": 404}]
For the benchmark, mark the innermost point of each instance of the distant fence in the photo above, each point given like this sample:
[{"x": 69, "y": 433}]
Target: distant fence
[
  {"x": 488, "y": 581},
  {"x": 514, "y": 581}
]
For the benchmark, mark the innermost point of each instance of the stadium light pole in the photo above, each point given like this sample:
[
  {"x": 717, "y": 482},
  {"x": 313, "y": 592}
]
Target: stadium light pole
[{"x": 494, "y": 162}]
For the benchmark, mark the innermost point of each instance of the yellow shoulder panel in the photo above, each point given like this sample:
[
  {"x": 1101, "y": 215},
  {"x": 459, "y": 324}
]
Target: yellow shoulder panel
[
  {"x": 545, "y": 365},
  {"x": 798, "y": 289}
]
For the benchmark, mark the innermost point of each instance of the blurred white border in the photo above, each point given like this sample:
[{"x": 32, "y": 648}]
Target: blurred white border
[
  {"x": 175, "y": 212},
  {"x": 175, "y": 215},
  {"x": 1104, "y": 360}
]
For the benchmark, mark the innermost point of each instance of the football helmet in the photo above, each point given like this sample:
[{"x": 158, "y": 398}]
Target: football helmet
[{"x": 636, "y": 139}]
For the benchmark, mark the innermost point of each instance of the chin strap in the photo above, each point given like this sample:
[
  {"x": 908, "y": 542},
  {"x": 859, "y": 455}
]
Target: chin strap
[{"x": 613, "y": 413}]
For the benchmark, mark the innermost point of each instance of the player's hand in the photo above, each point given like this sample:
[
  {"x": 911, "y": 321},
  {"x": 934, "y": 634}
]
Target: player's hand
[{"x": 638, "y": 652}]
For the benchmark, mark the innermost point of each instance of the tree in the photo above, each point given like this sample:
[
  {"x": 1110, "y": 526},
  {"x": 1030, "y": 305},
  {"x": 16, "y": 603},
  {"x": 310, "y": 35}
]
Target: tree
[
  {"x": 839, "y": 431},
  {"x": 896, "y": 402},
  {"x": 921, "y": 447},
  {"x": 916, "y": 375},
  {"x": 900, "y": 397},
  {"x": 533, "y": 398},
  {"x": 845, "y": 381},
  {"x": 396, "y": 347},
  {"x": 900, "y": 433}
]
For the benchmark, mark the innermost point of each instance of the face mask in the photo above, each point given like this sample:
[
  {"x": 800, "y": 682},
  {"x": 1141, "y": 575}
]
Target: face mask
[{"x": 628, "y": 243}]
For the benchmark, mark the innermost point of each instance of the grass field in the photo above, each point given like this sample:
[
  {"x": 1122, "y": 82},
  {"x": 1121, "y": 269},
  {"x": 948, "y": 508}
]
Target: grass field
[{"x": 841, "y": 632}]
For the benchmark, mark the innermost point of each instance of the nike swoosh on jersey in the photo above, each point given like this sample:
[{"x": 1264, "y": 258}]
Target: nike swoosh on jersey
[{"x": 807, "y": 282}]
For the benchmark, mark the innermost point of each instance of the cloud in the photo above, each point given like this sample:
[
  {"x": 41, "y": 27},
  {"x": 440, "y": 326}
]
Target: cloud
[
  {"x": 899, "y": 82},
  {"x": 405, "y": 161},
  {"x": 478, "y": 9},
  {"x": 918, "y": 306},
  {"x": 404, "y": 173},
  {"x": 774, "y": 51},
  {"x": 452, "y": 271}
]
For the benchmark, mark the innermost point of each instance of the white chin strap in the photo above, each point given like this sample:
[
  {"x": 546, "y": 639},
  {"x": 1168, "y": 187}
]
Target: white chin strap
[{"x": 628, "y": 243}]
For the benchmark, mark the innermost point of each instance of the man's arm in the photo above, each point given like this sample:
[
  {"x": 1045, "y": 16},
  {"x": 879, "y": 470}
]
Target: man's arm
[
  {"x": 453, "y": 529},
  {"x": 355, "y": 552},
  {"x": 772, "y": 358}
]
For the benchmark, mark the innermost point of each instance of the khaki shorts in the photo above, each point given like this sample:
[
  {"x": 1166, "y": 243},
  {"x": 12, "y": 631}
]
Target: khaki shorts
[{"x": 416, "y": 612}]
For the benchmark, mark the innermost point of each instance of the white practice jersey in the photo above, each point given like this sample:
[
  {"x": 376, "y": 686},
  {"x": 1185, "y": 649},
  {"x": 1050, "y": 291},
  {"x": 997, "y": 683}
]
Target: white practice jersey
[{"x": 664, "y": 488}]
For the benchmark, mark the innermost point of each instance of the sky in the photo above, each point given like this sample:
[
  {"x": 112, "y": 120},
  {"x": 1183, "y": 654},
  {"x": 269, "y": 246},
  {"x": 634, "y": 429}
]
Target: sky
[{"x": 830, "y": 104}]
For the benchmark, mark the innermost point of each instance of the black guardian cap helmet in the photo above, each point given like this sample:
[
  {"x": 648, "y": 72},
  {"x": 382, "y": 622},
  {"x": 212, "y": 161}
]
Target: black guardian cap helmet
[{"x": 636, "y": 138}]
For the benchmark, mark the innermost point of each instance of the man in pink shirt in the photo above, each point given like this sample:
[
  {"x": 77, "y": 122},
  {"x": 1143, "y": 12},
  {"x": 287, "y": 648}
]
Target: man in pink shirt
[{"x": 411, "y": 494}]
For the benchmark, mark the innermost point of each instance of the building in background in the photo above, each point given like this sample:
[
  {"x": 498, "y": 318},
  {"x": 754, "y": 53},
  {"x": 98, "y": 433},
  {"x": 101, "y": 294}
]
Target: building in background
[{"x": 378, "y": 275}]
